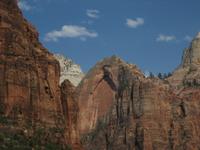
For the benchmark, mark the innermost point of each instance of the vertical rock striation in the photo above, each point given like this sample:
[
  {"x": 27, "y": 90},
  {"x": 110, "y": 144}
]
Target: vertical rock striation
[
  {"x": 114, "y": 108},
  {"x": 30, "y": 96},
  {"x": 96, "y": 93},
  {"x": 29, "y": 74},
  {"x": 121, "y": 109},
  {"x": 70, "y": 111}
]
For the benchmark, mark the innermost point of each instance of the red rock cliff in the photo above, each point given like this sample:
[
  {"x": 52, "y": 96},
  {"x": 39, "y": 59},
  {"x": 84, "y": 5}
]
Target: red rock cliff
[
  {"x": 114, "y": 107},
  {"x": 121, "y": 109},
  {"x": 29, "y": 74},
  {"x": 30, "y": 96},
  {"x": 70, "y": 111}
]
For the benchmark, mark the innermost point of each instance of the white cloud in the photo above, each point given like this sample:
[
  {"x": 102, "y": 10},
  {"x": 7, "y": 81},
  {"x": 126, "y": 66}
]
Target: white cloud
[
  {"x": 23, "y": 5},
  {"x": 134, "y": 23},
  {"x": 70, "y": 31},
  {"x": 188, "y": 38},
  {"x": 92, "y": 13},
  {"x": 165, "y": 38}
]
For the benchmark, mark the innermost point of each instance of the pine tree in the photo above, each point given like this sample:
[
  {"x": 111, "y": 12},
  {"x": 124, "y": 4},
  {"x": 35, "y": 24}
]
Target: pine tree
[
  {"x": 160, "y": 76},
  {"x": 169, "y": 74},
  {"x": 151, "y": 75}
]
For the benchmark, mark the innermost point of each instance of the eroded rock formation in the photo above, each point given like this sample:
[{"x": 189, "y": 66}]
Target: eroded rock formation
[
  {"x": 188, "y": 73},
  {"x": 96, "y": 93},
  {"x": 121, "y": 109},
  {"x": 114, "y": 108},
  {"x": 69, "y": 70}
]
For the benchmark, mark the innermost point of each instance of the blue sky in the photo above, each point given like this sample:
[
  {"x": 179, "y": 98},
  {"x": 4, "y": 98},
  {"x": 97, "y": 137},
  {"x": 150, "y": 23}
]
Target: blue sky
[{"x": 149, "y": 33}]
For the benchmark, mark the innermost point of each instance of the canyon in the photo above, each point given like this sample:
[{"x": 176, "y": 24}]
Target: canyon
[{"x": 113, "y": 107}]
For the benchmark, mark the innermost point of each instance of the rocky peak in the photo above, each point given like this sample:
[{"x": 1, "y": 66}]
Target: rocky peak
[
  {"x": 191, "y": 55},
  {"x": 10, "y": 4},
  {"x": 198, "y": 35},
  {"x": 69, "y": 70},
  {"x": 17, "y": 33},
  {"x": 121, "y": 109},
  {"x": 188, "y": 73},
  {"x": 109, "y": 63},
  {"x": 97, "y": 91}
]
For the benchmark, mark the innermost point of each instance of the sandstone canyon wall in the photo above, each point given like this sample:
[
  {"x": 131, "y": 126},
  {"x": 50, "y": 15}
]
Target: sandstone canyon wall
[
  {"x": 115, "y": 107},
  {"x": 121, "y": 109},
  {"x": 29, "y": 74},
  {"x": 30, "y": 96},
  {"x": 70, "y": 110}
]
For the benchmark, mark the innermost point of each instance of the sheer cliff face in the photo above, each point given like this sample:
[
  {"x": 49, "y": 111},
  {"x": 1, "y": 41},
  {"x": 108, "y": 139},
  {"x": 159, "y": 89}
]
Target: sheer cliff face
[
  {"x": 70, "y": 112},
  {"x": 96, "y": 93},
  {"x": 121, "y": 109},
  {"x": 29, "y": 74},
  {"x": 114, "y": 107},
  {"x": 30, "y": 96}
]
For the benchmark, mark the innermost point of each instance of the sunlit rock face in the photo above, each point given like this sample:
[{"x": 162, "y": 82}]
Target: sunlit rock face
[
  {"x": 29, "y": 74},
  {"x": 96, "y": 93},
  {"x": 115, "y": 107},
  {"x": 122, "y": 109},
  {"x": 188, "y": 72},
  {"x": 69, "y": 70},
  {"x": 30, "y": 96},
  {"x": 192, "y": 54}
]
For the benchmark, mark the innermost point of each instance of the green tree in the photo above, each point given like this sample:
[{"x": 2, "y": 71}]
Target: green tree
[
  {"x": 169, "y": 74},
  {"x": 151, "y": 75},
  {"x": 160, "y": 76}
]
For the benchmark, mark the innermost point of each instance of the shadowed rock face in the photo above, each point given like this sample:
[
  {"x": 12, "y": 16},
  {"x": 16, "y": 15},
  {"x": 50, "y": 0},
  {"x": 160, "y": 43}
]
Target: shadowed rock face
[
  {"x": 121, "y": 109},
  {"x": 70, "y": 111}
]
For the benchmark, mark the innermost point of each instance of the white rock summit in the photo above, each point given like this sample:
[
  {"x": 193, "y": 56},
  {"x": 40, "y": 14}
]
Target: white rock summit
[
  {"x": 189, "y": 71},
  {"x": 69, "y": 70},
  {"x": 191, "y": 55},
  {"x": 198, "y": 35}
]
